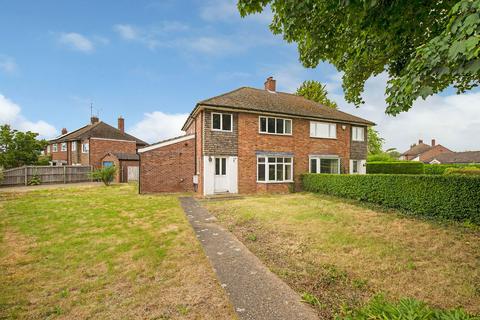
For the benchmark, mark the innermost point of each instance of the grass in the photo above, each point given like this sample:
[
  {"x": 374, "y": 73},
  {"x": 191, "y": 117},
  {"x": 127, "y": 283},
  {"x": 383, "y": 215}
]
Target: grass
[
  {"x": 103, "y": 252},
  {"x": 339, "y": 254}
]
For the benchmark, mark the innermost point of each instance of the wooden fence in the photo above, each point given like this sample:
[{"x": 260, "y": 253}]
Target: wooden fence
[{"x": 46, "y": 174}]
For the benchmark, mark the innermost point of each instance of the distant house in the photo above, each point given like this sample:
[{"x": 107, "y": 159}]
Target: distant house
[
  {"x": 254, "y": 140},
  {"x": 424, "y": 152},
  {"x": 89, "y": 144},
  {"x": 467, "y": 157}
]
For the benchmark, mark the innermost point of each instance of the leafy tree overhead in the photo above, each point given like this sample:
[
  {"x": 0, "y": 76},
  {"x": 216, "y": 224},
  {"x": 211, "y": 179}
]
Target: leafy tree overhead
[
  {"x": 19, "y": 148},
  {"x": 314, "y": 90},
  {"x": 375, "y": 142},
  {"x": 425, "y": 46}
]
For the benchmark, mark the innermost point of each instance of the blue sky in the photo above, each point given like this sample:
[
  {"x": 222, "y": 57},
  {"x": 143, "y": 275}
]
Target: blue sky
[{"x": 151, "y": 61}]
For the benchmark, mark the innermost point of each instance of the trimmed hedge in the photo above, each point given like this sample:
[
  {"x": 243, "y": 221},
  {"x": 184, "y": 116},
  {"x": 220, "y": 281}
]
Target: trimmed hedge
[
  {"x": 446, "y": 197},
  {"x": 440, "y": 168},
  {"x": 395, "y": 167}
]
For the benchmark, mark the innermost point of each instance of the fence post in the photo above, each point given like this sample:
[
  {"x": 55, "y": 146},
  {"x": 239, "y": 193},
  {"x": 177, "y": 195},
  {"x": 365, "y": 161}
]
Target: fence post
[
  {"x": 26, "y": 175},
  {"x": 64, "y": 174}
]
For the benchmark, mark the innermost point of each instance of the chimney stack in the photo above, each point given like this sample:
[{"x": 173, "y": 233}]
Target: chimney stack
[
  {"x": 433, "y": 142},
  {"x": 420, "y": 141},
  {"x": 121, "y": 124},
  {"x": 94, "y": 119},
  {"x": 270, "y": 84},
  {"x": 64, "y": 131}
]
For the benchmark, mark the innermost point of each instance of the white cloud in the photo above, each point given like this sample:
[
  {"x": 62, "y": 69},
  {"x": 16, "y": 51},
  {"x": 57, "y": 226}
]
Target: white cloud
[
  {"x": 450, "y": 119},
  {"x": 10, "y": 113},
  {"x": 77, "y": 42},
  {"x": 126, "y": 31},
  {"x": 226, "y": 11},
  {"x": 212, "y": 45},
  {"x": 156, "y": 126},
  {"x": 7, "y": 64}
]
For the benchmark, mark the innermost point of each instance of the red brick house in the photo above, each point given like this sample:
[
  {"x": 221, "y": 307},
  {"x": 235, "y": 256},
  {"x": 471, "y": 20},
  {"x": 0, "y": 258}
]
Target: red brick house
[
  {"x": 424, "y": 152},
  {"x": 89, "y": 144},
  {"x": 253, "y": 140}
]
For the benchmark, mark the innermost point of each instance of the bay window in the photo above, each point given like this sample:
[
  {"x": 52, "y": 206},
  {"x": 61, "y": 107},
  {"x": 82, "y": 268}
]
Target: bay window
[
  {"x": 324, "y": 164},
  {"x": 274, "y": 169}
]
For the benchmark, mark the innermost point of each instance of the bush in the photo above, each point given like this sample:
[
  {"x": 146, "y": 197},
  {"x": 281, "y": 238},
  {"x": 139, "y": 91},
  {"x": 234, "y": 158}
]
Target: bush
[
  {"x": 440, "y": 168},
  {"x": 395, "y": 167},
  {"x": 383, "y": 157},
  {"x": 441, "y": 196},
  {"x": 463, "y": 171},
  {"x": 106, "y": 174},
  {"x": 379, "y": 308}
]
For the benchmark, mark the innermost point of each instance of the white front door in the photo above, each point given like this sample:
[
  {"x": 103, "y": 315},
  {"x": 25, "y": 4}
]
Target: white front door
[{"x": 221, "y": 177}]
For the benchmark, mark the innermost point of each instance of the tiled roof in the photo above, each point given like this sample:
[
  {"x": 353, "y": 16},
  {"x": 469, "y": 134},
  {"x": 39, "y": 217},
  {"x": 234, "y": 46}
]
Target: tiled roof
[
  {"x": 417, "y": 149},
  {"x": 251, "y": 99},
  {"x": 459, "y": 157},
  {"x": 98, "y": 130}
]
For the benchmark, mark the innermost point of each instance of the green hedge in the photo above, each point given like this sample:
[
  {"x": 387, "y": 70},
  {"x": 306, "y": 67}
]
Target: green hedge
[
  {"x": 440, "y": 168},
  {"x": 395, "y": 167},
  {"x": 447, "y": 197}
]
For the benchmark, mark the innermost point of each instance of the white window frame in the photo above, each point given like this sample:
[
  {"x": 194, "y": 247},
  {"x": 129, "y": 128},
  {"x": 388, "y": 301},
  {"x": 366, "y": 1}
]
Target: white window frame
[
  {"x": 266, "y": 163},
  {"x": 358, "y": 163},
  {"x": 74, "y": 145},
  {"x": 54, "y": 147},
  {"x": 355, "y": 133},
  {"x": 221, "y": 121},
  {"x": 319, "y": 159},
  {"x": 63, "y": 147},
  {"x": 276, "y": 118},
  {"x": 330, "y": 130},
  {"x": 85, "y": 147}
]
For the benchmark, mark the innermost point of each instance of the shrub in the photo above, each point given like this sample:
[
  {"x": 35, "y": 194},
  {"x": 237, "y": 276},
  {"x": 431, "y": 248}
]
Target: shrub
[
  {"x": 441, "y": 196},
  {"x": 379, "y": 308},
  {"x": 462, "y": 171},
  {"x": 383, "y": 157},
  {"x": 106, "y": 174},
  {"x": 440, "y": 168},
  {"x": 395, "y": 167}
]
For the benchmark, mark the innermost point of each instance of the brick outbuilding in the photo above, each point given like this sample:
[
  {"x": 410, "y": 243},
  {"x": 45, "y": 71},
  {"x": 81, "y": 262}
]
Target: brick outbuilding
[{"x": 127, "y": 165}]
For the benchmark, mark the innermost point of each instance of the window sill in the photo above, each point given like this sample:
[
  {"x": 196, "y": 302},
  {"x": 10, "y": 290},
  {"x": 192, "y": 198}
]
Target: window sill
[
  {"x": 275, "y": 182},
  {"x": 323, "y": 138},
  {"x": 219, "y": 130},
  {"x": 277, "y": 134},
  {"x": 358, "y": 140}
]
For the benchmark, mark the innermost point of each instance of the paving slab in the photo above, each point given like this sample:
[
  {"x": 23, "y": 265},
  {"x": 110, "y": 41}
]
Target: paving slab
[{"x": 255, "y": 292}]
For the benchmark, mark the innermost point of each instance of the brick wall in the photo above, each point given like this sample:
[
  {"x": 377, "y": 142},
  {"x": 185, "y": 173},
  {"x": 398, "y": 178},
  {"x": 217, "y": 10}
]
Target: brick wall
[
  {"x": 100, "y": 147},
  {"x": 84, "y": 157},
  {"x": 220, "y": 143},
  {"x": 168, "y": 169},
  {"x": 59, "y": 155},
  {"x": 300, "y": 144}
]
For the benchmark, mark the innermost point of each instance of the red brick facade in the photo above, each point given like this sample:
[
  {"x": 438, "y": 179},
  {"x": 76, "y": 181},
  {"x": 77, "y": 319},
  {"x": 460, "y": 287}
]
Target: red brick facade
[
  {"x": 169, "y": 168},
  {"x": 121, "y": 165}
]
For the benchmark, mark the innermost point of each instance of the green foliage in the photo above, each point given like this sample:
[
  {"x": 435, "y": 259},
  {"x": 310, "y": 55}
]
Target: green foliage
[
  {"x": 440, "y": 168},
  {"x": 34, "y": 180},
  {"x": 424, "y": 46},
  {"x": 310, "y": 299},
  {"x": 44, "y": 160},
  {"x": 463, "y": 171},
  {"x": 19, "y": 148},
  {"x": 105, "y": 174},
  {"x": 375, "y": 142},
  {"x": 439, "y": 196},
  {"x": 395, "y": 167},
  {"x": 315, "y": 91},
  {"x": 408, "y": 309},
  {"x": 380, "y": 157}
]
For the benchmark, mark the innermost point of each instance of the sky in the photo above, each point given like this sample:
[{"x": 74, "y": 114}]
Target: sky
[{"x": 151, "y": 61}]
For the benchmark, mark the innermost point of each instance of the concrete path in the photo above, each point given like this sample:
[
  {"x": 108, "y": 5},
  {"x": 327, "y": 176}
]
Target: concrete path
[{"x": 255, "y": 292}]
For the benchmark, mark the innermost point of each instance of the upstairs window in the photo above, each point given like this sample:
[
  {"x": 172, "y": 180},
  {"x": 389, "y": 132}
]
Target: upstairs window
[
  {"x": 221, "y": 122},
  {"x": 85, "y": 147},
  {"x": 323, "y": 130},
  {"x": 324, "y": 164},
  {"x": 358, "y": 134},
  {"x": 63, "y": 147},
  {"x": 54, "y": 147},
  {"x": 274, "y": 125},
  {"x": 74, "y": 146}
]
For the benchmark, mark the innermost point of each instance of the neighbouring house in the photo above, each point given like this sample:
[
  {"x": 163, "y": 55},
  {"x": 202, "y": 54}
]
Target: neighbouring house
[
  {"x": 89, "y": 144},
  {"x": 424, "y": 152},
  {"x": 466, "y": 157},
  {"x": 254, "y": 140},
  {"x": 126, "y": 163}
]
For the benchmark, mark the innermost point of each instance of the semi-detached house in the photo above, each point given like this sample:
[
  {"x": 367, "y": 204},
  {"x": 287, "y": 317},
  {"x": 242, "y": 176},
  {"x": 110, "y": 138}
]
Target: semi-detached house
[{"x": 254, "y": 140}]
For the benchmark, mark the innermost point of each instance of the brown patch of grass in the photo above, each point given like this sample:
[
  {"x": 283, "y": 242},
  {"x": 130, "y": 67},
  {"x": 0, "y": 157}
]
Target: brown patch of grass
[{"x": 344, "y": 253}]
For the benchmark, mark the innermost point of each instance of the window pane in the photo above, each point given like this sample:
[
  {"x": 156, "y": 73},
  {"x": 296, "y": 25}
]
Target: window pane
[
  {"x": 355, "y": 166},
  {"x": 279, "y": 125},
  {"x": 216, "y": 121},
  {"x": 280, "y": 160},
  {"x": 321, "y": 130},
  {"x": 288, "y": 160},
  {"x": 263, "y": 124},
  {"x": 288, "y": 126},
  {"x": 261, "y": 172},
  {"x": 333, "y": 130},
  {"x": 271, "y": 172},
  {"x": 227, "y": 122},
  {"x": 217, "y": 166},
  {"x": 288, "y": 172},
  {"x": 261, "y": 159},
  {"x": 328, "y": 165},
  {"x": 224, "y": 166},
  {"x": 280, "y": 172},
  {"x": 313, "y": 165},
  {"x": 272, "y": 160},
  {"x": 271, "y": 125}
]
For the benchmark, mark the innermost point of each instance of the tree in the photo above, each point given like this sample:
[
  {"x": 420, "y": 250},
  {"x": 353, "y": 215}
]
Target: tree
[
  {"x": 105, "y": 174},
  {"x": 425, "y": 46},
  {"x": 315, "y": 91},
  {"x": 375, "y": 142},
  {"x": 19, "y": 148}
]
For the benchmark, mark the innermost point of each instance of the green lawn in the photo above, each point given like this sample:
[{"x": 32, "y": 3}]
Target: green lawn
[
  {"x": 339, "y": 254},
  {"x": 103, "y": 252}
]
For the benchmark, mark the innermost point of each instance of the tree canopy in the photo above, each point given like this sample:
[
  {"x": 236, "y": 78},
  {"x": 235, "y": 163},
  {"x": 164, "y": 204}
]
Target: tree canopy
[
  {"x": 425, "y": 46},
  {"x": 18, "y": 148},
  {"x": 375, "y": 142},
  {"x": 315, "y": 91}
]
